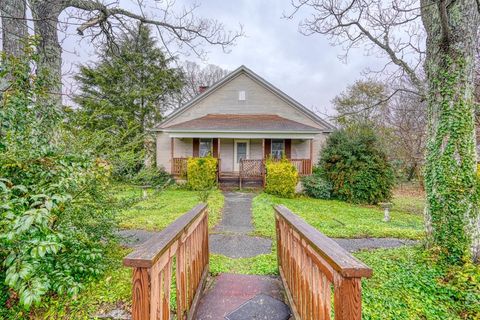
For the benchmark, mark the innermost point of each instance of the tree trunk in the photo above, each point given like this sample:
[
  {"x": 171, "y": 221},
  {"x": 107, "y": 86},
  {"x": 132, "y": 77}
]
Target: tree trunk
[
  {"x": 14, "y": 26},
  {"x": 45, "y": 14},
  {"x": 450, "y": 173}
]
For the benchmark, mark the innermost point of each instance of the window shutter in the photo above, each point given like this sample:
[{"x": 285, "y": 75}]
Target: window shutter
[
  {"x": 288, "y": 148},
  {"x": 215, "y": 147},
  {"x": 196, "y": 147},
  {"x": 268, "y": 147}
]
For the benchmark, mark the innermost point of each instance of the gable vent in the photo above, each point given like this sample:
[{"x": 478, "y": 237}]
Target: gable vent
[{"x": 241, "y": 96}]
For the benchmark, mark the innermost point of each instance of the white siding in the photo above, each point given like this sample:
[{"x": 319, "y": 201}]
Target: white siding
[
  {"x": 183, "y": 148},
  {"x": 256, "y": 151},
  {"x": 259, "y": 100},
  {"x": 163, "y": 151},
  {"x": 300, "y": 149}
]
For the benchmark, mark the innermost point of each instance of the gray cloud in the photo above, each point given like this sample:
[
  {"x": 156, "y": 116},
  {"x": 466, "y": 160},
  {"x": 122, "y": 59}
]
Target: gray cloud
[{"x": 306, "y": 68}]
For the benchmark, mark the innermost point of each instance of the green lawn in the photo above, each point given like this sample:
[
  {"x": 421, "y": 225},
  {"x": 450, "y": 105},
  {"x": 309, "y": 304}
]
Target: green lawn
[
  {"x": 406, "y": 284},
  {"x": 162, "y": 208},
  {"x": 337, "y": 218}
]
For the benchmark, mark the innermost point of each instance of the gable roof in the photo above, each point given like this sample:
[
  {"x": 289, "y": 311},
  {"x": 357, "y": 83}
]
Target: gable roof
[
  {"x": 243, "y": 69},
  {"x": 242, "y": 123}
]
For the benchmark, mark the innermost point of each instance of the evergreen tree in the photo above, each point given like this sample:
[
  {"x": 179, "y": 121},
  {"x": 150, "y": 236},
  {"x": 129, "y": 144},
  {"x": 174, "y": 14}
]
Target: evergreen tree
[{"x": 123, "y": 95}]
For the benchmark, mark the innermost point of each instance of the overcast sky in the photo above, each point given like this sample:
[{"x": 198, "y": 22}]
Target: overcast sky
[{"x": 306, "y": 68}]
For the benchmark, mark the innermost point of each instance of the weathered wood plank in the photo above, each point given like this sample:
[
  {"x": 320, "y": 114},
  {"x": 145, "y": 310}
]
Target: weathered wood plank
[
  {"x": 140, "y": 294},
  {"x": 348, "y": 302},
  {"x": 341, "y": 261},
  {"x": 148, "y": 253}
]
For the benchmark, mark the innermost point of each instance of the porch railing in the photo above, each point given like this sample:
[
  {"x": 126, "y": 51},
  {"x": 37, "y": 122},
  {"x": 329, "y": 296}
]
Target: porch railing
[
  {"x": 310, "y": 264},
  {"x": 304, "y": 166},
  {"x": 249, "y": 168},
  {"x": 186, "y": 239},
  {"x": 179, "y": 167}
]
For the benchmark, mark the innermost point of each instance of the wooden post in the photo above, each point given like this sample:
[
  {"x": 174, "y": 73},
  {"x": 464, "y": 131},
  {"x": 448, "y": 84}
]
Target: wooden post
[
  {"x": 311, "y": 157},
  {"x": 172, "y": 153},
  {"x": 348, "y": 298},
  {"x": 140, "y": 294}
]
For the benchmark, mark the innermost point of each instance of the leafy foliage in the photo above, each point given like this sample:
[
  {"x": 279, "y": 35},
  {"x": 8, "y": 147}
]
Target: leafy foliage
[
  {"x": 153, "y": 176},
  {"x": 121, "y": 96},
  {"x": 202, "y": 173},
  {"x": 408, "y": 284},
  {"x": 281, "y": 178},
  {"x": 316, "y": 186},
  {"x": 450, "y": 175},
  {"x": 358, "y": 170},
  {"x": 56, "y": 215}
]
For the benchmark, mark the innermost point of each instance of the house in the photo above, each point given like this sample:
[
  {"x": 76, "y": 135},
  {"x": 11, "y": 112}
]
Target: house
[{"x": 241, "y": 120}]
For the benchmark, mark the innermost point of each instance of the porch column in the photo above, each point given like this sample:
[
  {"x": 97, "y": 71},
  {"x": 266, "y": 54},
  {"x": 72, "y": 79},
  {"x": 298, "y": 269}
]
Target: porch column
[
  {"x": 172, "y": 153},
  {"x": 311, "y": 157}
]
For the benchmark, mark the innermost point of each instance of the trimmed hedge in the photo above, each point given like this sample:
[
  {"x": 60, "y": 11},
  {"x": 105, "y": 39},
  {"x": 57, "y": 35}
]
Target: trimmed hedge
[
  {"x": 281, "y": 179},
  {"x": 201, "y": 173}
]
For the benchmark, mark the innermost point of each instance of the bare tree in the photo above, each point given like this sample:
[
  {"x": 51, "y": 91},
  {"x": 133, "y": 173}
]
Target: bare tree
[
  {"x": 181, "y": 28},
  {"x": 14, "y": 26},
  {"x": 391, "y": 29},
  {"x": 406, "y": 118},
  {"x": 396, "y": 29},
  {"x": 196, "y": 77}
]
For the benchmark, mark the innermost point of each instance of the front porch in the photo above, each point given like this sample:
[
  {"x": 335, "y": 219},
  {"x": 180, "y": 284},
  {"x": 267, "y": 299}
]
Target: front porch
[{"x": 241, "y": 161}]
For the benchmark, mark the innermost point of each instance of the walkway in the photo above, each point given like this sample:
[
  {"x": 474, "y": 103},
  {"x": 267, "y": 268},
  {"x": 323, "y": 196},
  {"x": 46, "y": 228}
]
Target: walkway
[
  {"x": 230, "y": 238},
  {"x": 242, "y": 296}
]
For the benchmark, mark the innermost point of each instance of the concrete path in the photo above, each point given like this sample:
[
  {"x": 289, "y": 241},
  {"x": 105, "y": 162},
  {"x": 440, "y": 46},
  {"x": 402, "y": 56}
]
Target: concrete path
[{"x": 230, "y": 237}]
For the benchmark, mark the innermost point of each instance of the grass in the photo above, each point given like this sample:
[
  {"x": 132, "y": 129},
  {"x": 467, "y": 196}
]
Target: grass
[
  {"x": 336, "y": 218},
  {"x": 162, "y": 208},
  {"x": 408, "y": 284},
  {"x": 408, "y": 202}
]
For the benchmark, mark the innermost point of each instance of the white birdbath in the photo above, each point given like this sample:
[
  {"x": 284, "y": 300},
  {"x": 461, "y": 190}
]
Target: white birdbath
[{"x": 386, "y": 210}]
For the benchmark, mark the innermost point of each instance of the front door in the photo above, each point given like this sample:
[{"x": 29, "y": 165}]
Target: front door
[{"x": 241, "y": 151}]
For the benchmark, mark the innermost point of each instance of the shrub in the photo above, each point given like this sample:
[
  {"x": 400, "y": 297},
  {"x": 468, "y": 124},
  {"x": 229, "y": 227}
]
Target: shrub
[
  {"x": 56, "y": 214},
  {"x": 316, "y": 186},
  {"x": 281, "y": 179},
  {"x": 201, "y": 173},
  {"x": 358, "y": 170},
  {"x": 153, "y": 176}
]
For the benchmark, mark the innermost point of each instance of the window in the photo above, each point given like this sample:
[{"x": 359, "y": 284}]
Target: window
[
  {"x": 205, "y": 147},
  {"x": 278, "y": 148},
  {"x": 241, "y": 96},
  {"x": 241, "y": 151}
]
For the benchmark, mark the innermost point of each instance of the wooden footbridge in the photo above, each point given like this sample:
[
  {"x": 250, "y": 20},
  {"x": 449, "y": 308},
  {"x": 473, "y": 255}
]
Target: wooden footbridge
[{"x": 311, "y": 266}]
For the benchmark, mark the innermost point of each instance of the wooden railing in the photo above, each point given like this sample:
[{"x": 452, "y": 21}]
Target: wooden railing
[
  {"x": 304, "y": 166},
  {"x": 186, "y": 240},
  {"x": 179, "y": 167},
  {"x": 310, "y": 264}
]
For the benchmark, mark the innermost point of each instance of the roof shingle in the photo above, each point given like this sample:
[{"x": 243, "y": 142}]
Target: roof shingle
[{"x": 239, "y": 122}]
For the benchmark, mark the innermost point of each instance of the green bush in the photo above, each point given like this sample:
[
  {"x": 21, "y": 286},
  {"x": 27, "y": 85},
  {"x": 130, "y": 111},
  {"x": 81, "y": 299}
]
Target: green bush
[
  {"x": 281, "y": 179},
  {"x": 57, "y": 214},
  {"x": 153, "y": 176},
  {"x": 358, "y": 170},
  {"x": 316, "y": 186},
  {"x": 201, "y": 173}
]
